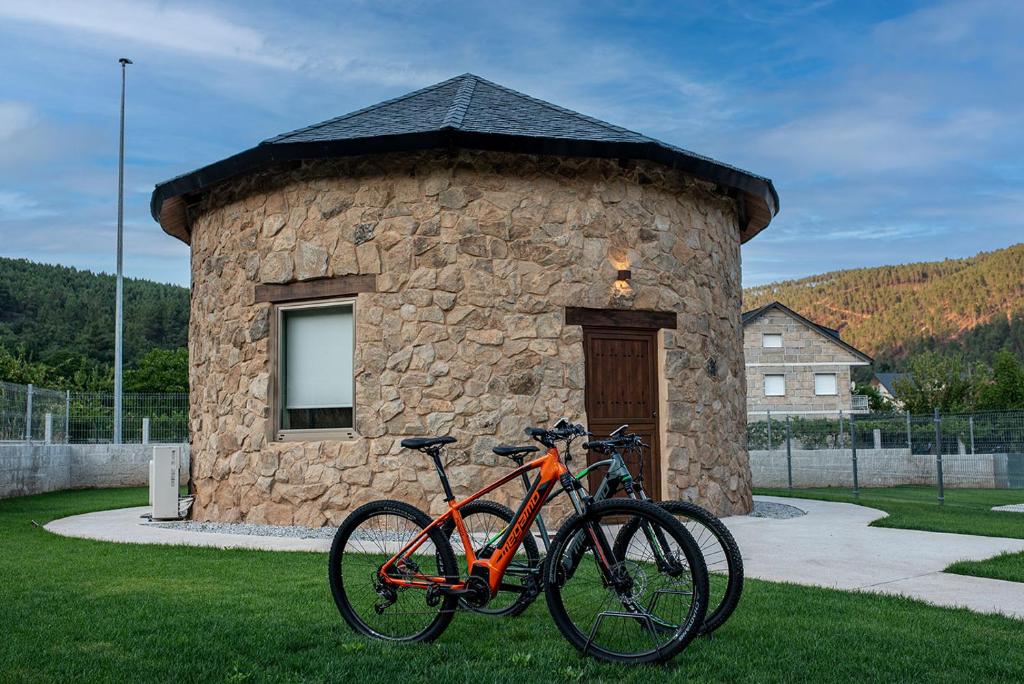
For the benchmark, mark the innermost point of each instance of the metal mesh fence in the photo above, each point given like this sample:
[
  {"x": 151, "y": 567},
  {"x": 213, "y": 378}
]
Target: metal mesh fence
[
  {"x": 984, "y": 450},
  {"x": 88, "y": 417}
]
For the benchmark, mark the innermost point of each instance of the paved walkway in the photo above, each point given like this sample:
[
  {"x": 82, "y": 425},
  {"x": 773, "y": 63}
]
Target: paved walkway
[
  {"x": 127, "y": 525},
  {"x": 832, "y": 546}
]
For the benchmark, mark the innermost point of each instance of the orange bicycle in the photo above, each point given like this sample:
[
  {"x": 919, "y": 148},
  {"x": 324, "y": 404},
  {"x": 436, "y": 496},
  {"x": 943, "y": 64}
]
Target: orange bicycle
[{"x": 624, "y": 580}]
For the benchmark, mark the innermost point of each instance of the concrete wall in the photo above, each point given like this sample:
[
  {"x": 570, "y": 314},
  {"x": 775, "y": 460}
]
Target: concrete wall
[
  {"x": 876, "y": 468},
  {"x": 36, "y": 468}
]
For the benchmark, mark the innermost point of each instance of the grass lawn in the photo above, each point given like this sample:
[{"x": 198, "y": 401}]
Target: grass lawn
[
  {"x": 966, "y": 511},
  {"x": 76, "y": 610},
  {"x": 1005, "y": 566}
]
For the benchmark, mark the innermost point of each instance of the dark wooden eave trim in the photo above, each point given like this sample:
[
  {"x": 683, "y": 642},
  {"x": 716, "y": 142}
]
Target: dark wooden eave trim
[
  {"x": 339, "y": 286},
  {"x": 758, "y": 194},
  {"x": 620, "y": 318}
]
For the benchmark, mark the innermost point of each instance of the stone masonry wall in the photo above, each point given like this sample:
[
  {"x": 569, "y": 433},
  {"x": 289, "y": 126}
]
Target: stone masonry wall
[
  {"x": 476, "y": 257},
  {"x": 801, "y": 347}
]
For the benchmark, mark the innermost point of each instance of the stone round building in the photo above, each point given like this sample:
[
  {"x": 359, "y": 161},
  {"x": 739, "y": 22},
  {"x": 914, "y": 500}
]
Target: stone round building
[{"x": 462, "y": 260}]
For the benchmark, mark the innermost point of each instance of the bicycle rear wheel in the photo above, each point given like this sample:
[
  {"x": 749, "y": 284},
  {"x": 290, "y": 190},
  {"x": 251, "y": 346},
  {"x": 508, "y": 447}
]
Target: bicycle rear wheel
[
  {"x": 366, "y": 540},
  {"x": 641, "y": 604},
  {"x": 721, "y": 556}
]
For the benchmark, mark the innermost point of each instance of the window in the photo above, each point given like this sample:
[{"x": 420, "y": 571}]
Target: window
[
  {"x": 771, "y": 340},
  {"x": 775, "y": 385},
  {"x": 825, "y": 384},
  {"x": 315, "y": 386}
]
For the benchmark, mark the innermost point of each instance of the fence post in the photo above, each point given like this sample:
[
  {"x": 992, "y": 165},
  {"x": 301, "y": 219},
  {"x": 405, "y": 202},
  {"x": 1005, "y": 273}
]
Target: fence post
[
  {"x": 145, "y": 430},
  {"x": 910, "y": 443},
  {"x": 970, "y": 424},
  {"x": 938, "y": 454},
  {"x": 770, "y": 445},
  {"x": 789, "y": 454},
  {"x": 67, "y": 416},
  {"x": 28, "y": 414},
  {"x": 842, "y": 432},
  {"x": 48, "y": 428},
  {"x": 853, "y": 449}
]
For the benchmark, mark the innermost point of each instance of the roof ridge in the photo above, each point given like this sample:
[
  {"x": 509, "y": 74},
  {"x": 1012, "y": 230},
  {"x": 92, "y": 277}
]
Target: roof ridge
[
  {"x": 609, "y": 126},
  {"x": 564, "y": 110},
  {"x": 460, "y": 103},
  {"x": 430, "y": 88},
  {"x": 753, "y": 315}
]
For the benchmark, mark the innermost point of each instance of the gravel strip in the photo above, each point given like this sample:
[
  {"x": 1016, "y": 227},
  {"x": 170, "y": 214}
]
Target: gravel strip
[
  {"x": 778, "y": 511},
  {"x": 762, "y": 509},
  {"x": 1010, "y": 508},
  {"x": 293, "y": 531}
]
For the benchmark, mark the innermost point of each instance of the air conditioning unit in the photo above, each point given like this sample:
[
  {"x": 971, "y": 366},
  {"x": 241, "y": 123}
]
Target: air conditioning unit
[{"x": 163, "y": 482}]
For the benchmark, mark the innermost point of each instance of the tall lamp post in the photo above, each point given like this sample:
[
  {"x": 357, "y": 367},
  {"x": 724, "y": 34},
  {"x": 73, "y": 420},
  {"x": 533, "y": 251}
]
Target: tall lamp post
[{"x": 119, "y": 306}]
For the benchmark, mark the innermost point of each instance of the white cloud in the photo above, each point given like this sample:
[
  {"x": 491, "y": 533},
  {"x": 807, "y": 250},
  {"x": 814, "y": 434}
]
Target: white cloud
[
  {"x": 17, "y": 206},
  {"x": 880, "y": 136},
  {"x": 180, "y": 28},
  {"x": 15, "y": 119}
]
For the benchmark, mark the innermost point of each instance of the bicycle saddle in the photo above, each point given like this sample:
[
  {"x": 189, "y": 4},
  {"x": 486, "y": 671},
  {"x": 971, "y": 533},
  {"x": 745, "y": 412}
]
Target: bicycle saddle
[
  {"x": 511, "y": 451},
  {"x": 426, "y": 442}
]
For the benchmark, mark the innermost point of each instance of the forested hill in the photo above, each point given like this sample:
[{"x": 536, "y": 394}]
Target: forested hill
[
  {"x": 52, "y": 313},
  {"x": 974, "y": 306}
]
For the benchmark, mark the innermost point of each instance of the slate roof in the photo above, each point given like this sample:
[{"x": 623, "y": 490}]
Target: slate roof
[
  {"x": 470, "y": 112},
  {"x": 752, "y": 315},
  {"x": 888, "y": 381}
]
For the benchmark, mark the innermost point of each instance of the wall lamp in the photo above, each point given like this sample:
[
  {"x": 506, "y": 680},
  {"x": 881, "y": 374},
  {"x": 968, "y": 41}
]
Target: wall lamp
[{"x": 624, "y": 275}]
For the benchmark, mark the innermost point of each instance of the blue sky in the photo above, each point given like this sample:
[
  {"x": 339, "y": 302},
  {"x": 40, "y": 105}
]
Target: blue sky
[{"x": 891, "y": 129}]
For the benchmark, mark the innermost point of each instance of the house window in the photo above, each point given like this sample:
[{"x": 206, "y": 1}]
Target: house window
[
  {"x": 771, "y": 340},
  {"x": 825, "y": 384},
  {"x": 775, "y": 385},
  {"x": 315, "y": 384}
]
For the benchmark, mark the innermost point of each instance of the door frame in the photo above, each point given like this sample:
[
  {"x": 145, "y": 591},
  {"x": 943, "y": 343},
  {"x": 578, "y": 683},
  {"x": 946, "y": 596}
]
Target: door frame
[{"x": 641, "y": 321}]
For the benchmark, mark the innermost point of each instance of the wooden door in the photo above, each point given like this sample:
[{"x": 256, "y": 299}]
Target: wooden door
[{"x": 622, "y": 387}]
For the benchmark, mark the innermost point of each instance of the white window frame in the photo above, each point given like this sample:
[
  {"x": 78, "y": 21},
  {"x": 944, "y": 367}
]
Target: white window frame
[
  {"x": 835, "y": 385},
  {"x": 764, "y": 340},
  {"x": 775, "y": 375},
  {"x": 277, "y": 374}
]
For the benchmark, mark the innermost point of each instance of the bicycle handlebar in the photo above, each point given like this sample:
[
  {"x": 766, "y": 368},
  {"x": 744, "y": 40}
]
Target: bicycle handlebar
[
  {"x": 623, "y": 442},
  {"x": 548, "y": 438}
]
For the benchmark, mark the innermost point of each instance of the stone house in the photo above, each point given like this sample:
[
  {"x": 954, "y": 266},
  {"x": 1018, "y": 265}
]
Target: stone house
[
  {"x": 461, "y": 260},
  {"x": 797, "y": 367}
]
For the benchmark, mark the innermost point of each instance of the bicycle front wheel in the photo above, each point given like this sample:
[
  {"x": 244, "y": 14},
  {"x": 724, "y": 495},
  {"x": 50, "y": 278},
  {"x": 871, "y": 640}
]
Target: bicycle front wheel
[
  {"x": 642, "y": 603},
  {"x": 721, "y": 556}
]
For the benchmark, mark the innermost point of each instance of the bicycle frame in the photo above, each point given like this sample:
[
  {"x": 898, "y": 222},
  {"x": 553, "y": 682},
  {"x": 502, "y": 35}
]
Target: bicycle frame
[
  {"x": 616, "y": 475},
  {"x": 490, "y": 569}
]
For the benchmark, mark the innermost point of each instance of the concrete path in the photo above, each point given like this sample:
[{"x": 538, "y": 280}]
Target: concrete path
[
  {"x": 832, "y": 546},
  {"x": 127, "y": 525}
]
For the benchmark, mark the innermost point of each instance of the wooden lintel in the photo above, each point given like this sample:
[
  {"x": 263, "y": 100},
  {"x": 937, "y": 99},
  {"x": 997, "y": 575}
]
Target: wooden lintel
[
  {"x": 325, "y": 288},
  {"x": 620, "y": 318}
]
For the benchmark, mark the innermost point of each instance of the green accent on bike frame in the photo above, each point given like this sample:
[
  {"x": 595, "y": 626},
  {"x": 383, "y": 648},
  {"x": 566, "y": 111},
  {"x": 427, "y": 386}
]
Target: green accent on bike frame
[{"x": 583, "y": 473}]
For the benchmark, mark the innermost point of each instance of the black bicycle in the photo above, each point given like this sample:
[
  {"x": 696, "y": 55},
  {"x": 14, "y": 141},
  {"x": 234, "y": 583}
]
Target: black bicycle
[{"x": 489, "y": 519}]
